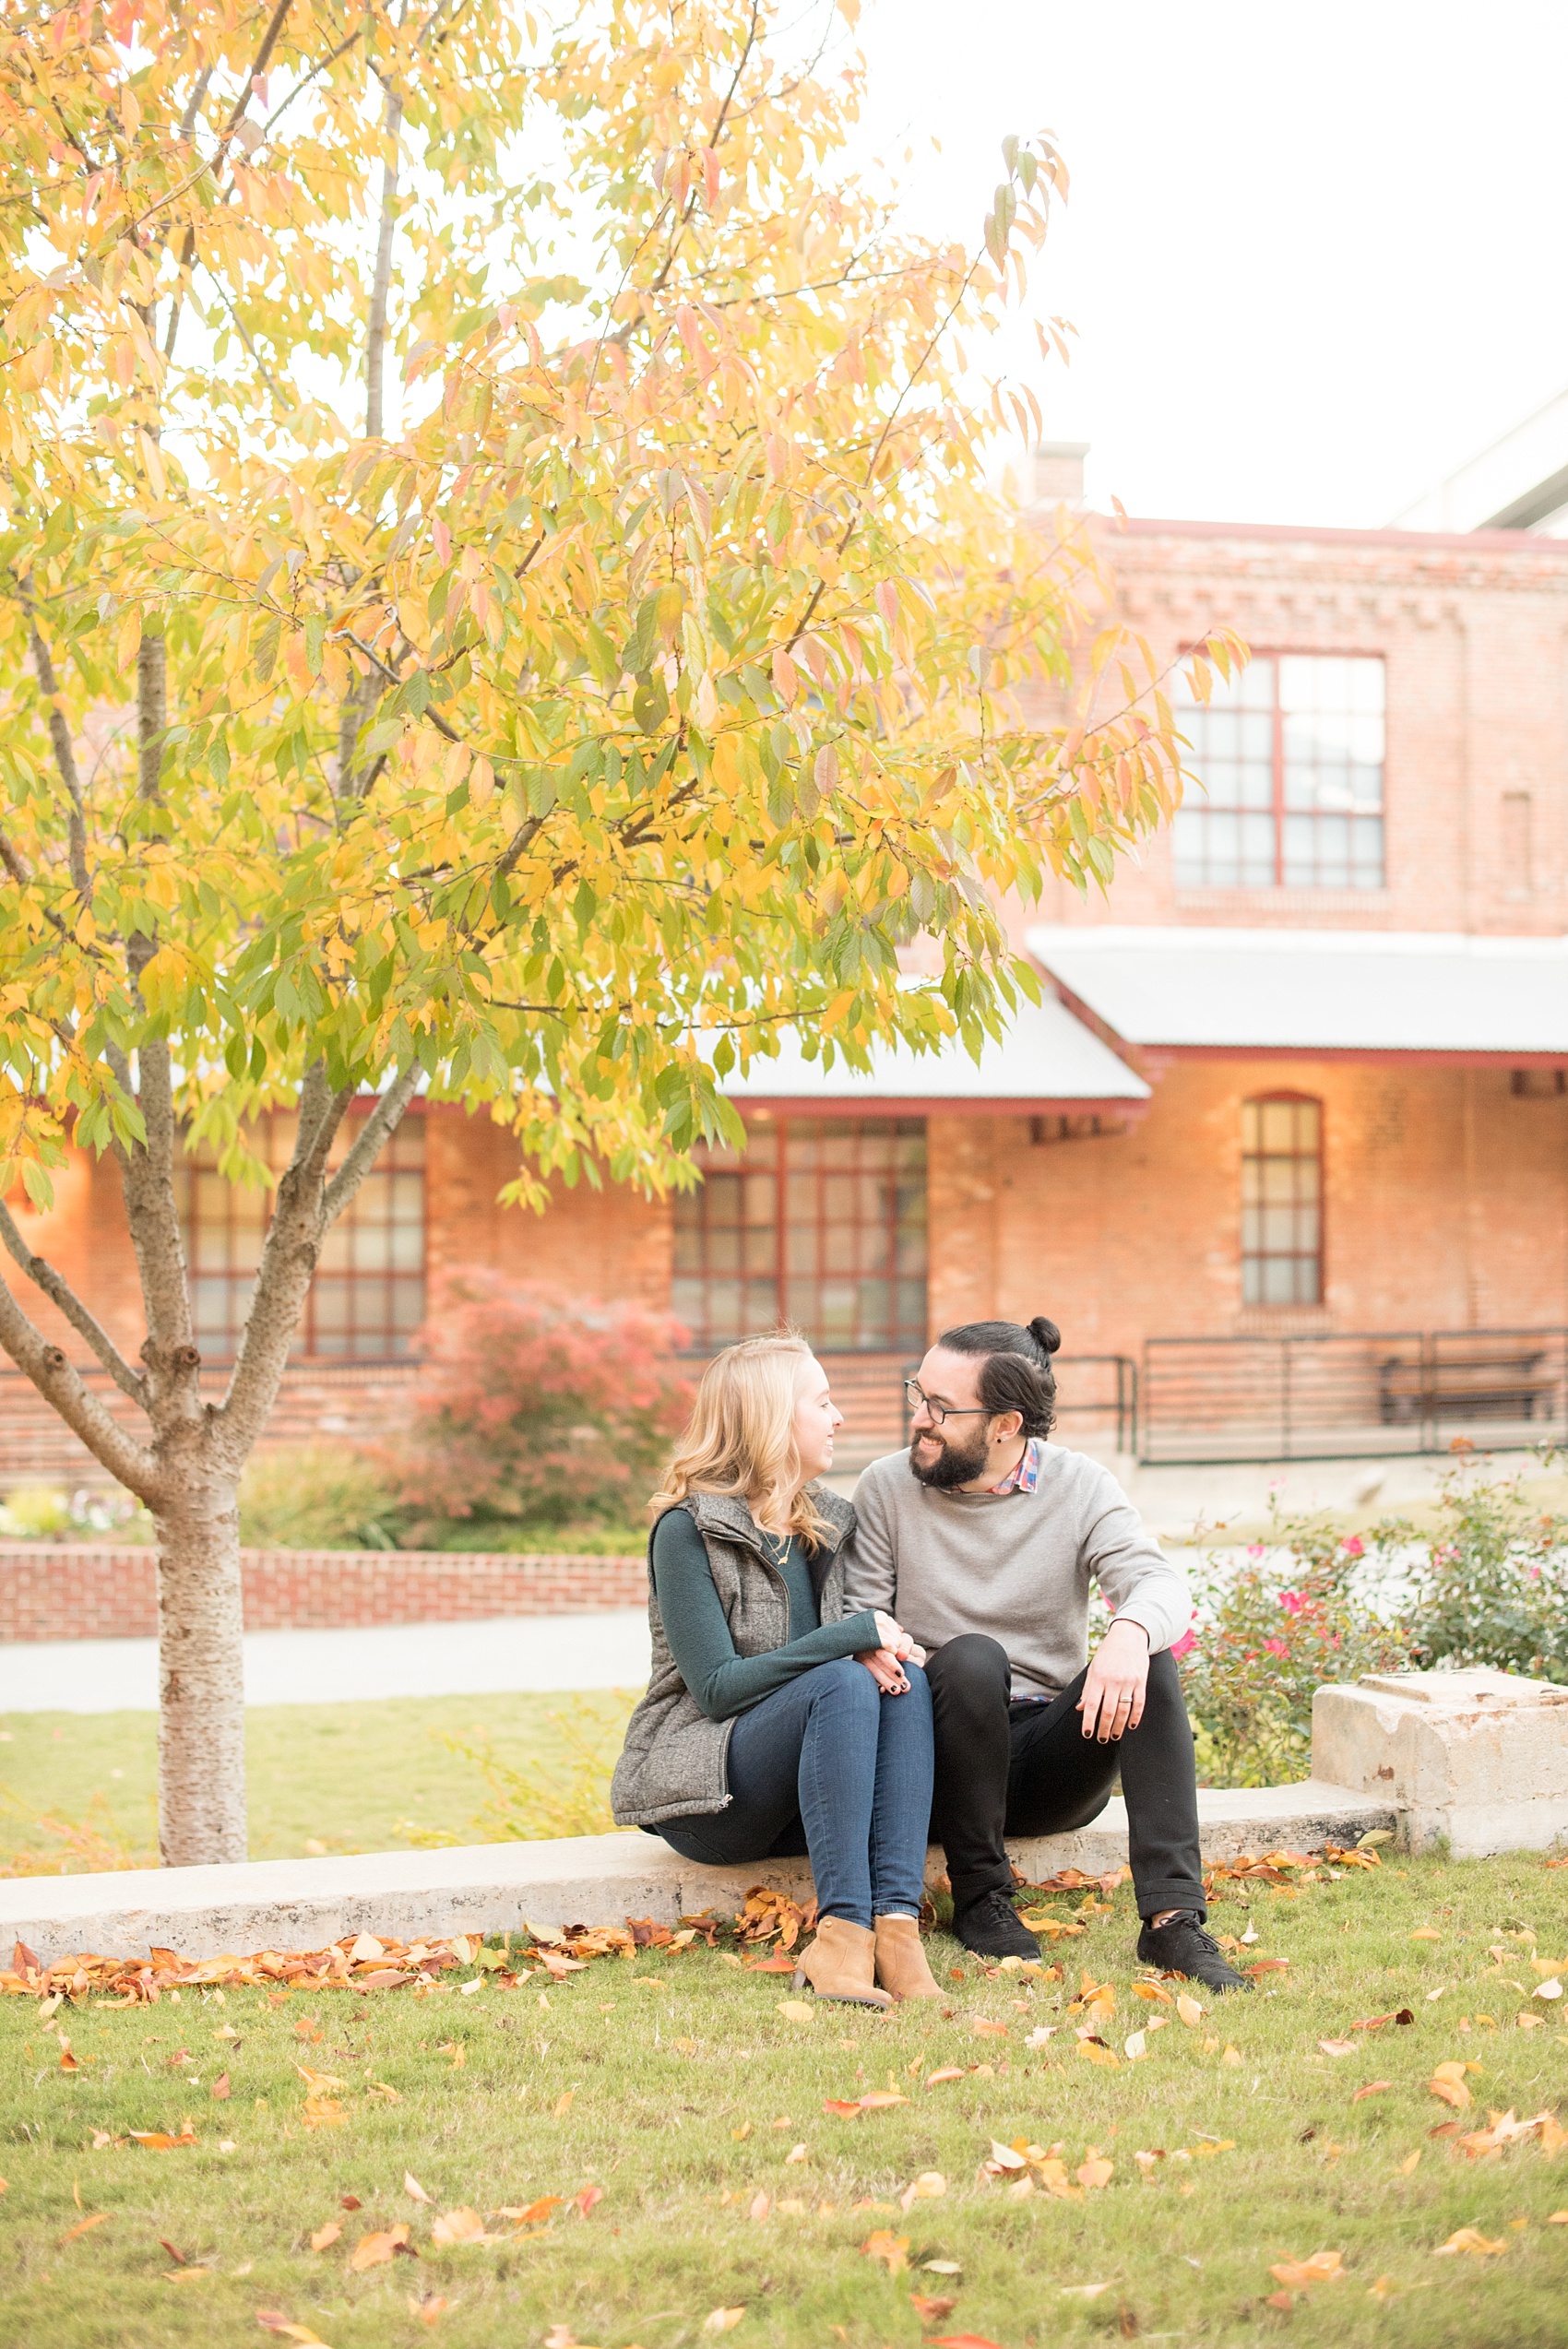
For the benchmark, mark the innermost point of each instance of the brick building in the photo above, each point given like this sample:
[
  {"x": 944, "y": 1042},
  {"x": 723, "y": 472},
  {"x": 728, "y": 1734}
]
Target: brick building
[{"x": 1302, "y": 1077}]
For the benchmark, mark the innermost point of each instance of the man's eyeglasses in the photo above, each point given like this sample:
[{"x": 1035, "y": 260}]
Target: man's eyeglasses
[{"x": 917, "y": 1398}]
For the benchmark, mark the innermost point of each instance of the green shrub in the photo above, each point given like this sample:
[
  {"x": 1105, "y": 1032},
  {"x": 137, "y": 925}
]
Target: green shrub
[
  {"x": 1291, "y": 1613},
  {"x": 1491, "y": 1588},
  {"x": 537, "y": 1409},
  {"x": 1308, "y": 1605},
  {"x": 308, "y": 1496},
  {"x": 33, "y": 1513}
]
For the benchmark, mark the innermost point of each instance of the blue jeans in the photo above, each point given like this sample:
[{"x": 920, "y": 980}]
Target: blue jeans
[{"x": 829, "y": 1765}]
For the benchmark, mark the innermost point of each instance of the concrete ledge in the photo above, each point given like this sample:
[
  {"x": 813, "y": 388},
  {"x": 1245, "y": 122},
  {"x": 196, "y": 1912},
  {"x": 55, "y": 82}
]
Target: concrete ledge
[{"x": 591, "y": 1880}]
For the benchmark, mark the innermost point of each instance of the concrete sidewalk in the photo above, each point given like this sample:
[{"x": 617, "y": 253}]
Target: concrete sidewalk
[{"x": 547, "y": 1652}]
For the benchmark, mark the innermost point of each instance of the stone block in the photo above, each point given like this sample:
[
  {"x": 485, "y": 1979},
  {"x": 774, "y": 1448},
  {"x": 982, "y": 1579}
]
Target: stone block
[{"x": 1478, "y": 1760}]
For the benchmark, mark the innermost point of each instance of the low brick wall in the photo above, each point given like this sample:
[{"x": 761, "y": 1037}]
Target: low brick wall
[{"x": 92, "y": 1591}]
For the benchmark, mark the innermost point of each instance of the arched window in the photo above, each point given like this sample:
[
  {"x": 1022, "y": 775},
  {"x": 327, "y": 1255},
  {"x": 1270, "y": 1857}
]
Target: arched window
[{"x": 1282, "y": 1200}]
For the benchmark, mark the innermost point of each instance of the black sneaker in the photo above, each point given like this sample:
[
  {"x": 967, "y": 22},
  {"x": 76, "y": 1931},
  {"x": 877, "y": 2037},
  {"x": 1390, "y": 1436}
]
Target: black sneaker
[
  {"x": 990, "y": 1926},
  {"x": 1181, "y": 1946}
]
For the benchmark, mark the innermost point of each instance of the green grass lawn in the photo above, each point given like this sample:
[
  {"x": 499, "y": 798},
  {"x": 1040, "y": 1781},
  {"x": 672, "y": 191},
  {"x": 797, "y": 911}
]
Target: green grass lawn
[
  {"x": 680, "y": 2087},
  {"x": 358, "y": 1777}
]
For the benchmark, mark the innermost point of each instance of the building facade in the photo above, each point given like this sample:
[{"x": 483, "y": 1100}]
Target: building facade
[{"x": 1302, "y": 1075}]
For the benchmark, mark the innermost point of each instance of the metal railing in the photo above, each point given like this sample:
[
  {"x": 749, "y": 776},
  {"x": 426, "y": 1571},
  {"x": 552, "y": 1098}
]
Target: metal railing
[{"x": 1359, "y": 1394}]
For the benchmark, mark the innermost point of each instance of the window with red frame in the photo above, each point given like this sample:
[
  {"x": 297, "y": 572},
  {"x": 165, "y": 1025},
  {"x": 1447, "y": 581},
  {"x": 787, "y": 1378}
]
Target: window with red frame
[
  {"x": 1282, "y": 1200},
  {"x": 1290, "y": 754},
  {"x": 367, "y": 1298},
  {"x": 821, "y": 1222}
]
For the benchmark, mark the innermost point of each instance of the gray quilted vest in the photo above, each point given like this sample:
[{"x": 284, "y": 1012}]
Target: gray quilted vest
[{"x": 674, "y": 1762}]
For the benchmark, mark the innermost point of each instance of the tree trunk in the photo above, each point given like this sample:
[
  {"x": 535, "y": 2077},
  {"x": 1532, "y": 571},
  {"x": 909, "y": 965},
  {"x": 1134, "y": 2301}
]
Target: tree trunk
[{"x": 201, "y": 1739}]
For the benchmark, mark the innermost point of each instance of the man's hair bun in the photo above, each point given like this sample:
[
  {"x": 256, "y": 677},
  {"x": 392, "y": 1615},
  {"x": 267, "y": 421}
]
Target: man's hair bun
[{"x": 1046, "y": 1334}]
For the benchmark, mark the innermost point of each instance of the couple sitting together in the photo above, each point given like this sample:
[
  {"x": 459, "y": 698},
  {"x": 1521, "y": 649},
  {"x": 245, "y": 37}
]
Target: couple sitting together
[{"x": 852, "y": 1681}]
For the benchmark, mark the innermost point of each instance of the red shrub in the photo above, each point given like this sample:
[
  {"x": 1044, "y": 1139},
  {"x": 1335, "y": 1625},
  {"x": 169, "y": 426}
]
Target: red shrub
[{"x": 540, "y": 1406}]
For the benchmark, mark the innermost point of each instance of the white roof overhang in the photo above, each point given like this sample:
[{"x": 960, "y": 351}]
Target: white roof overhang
[
  {"x": 1048, "y": 1063},
  {"x": 1356, "y": 992}
]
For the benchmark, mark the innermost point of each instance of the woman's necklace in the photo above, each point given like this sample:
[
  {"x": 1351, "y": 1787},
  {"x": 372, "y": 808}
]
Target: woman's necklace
[{"x": 781, "y": 1541}]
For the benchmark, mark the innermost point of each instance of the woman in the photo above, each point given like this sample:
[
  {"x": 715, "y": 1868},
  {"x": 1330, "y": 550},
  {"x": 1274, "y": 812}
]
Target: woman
[{"x": 773, "y": 1722}]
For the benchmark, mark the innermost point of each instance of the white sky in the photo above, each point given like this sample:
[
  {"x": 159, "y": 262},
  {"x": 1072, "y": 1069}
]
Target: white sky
[{"x": 1313, "y": 252}]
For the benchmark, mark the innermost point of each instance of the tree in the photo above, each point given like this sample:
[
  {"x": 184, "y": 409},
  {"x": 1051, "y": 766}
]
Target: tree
[{"x": 639, "y": 689}]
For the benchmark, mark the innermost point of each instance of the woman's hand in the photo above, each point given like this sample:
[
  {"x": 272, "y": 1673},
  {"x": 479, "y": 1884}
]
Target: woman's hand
[{"x": 886, "y": 1664}]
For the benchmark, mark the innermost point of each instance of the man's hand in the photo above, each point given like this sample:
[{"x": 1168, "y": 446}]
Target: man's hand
[{"x": 1118, "y": 1677}]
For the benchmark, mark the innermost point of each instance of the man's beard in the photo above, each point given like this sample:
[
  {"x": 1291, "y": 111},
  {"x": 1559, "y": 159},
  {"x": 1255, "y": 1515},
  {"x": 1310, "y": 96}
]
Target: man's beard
[{"x": 953, "y": 1465}]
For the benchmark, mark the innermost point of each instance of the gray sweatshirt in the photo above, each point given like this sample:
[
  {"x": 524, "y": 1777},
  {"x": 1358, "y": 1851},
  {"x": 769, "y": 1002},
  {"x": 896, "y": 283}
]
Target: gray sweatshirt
[{"x": 1016, "y": 1565}]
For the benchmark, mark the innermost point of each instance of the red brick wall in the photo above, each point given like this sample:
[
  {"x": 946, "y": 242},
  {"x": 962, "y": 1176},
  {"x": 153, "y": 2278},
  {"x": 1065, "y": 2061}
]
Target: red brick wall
[
  {"x": 87, "y": 1590},
  {"x": 1474, "y": 632}
]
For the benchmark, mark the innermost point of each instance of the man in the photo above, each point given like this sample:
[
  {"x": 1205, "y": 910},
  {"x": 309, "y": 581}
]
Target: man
[{"x": 981, "y": 1541}]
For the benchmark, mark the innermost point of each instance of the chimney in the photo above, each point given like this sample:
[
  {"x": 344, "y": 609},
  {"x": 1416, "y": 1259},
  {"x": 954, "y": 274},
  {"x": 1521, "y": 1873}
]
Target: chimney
[{"x": 1057, "y": 469}]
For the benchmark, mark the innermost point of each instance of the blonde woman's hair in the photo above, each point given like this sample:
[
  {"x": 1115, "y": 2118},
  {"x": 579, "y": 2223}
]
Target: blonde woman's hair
[{"x": 740, "y": 1437}]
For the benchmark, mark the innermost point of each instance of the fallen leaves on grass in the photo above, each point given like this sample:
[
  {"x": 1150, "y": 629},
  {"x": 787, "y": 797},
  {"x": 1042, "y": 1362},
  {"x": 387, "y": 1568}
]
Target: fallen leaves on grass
[
  {"x": 411, "y": 2186},
  {"x": 326, "y": 2234},
  {"x": 1299, "y": 2275},
  {"x": 929, "y": 2186},
  {"x": 374, "y": 2250},
  {"x": 85, "y": 2225},
  {"x": 948, "y": 2072},
  {"x": 1447, "y": 2083},
  {"x": 274, "y": 2320},
  {"x": 962, "y": 2340},
  {"x": 877, "y": 2100},
  {"x": 324, "y": 2112},
  {"x": 1095, "y": 2170},
  {"x": 1471, "y": 2241},
  {"x": 1337, "y": 2046},
  {"x": 532, "y": 2213},
  {"x": 158, "y": 2141},
  {"x": 1372, "y": 2088},
  {"x": 1377, "y": 2022},
  {"x": 797, "y": 2010},
  {"x": 893, "y": 2250},
  {"x": 1502, "y": 2130},
  {"x": 456, "y": 2228},
  {"x": 721, "y": 2319},
  {"x": 1189, "y": 2011},
  {"x": 931, "y": 2309}
]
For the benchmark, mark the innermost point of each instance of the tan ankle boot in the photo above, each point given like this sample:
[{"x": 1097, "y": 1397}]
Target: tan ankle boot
[
  {"x": 900, "y": 1961},
  {"x": 839, "y": 1964}
]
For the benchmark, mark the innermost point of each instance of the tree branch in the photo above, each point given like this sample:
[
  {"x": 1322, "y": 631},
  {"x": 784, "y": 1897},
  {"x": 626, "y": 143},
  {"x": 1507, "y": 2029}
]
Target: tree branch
[
  {"x": 288, "y": 1265},
  {"x": 61, "y": 1387},
  {"x": 375, "y": 331},
  {"x": 152, "y": 714},
  {"x": 62, "y": 1296},
  {"x": 64, "y": 751},
  {"x": 382, "y": 1123}
]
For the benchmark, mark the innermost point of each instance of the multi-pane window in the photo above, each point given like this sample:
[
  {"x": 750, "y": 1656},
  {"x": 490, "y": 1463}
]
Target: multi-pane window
[
  {"x": 821, "y": 1222},
  {"x": 1290, "y": 751},
  {"x": 1282, "y": 1200},
  {"x": 367, "y": 1298}
]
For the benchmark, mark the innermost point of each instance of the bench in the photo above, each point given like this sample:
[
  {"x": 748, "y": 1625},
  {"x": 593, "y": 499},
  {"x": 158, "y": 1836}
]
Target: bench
[{"x": 1514, "y": 1385}]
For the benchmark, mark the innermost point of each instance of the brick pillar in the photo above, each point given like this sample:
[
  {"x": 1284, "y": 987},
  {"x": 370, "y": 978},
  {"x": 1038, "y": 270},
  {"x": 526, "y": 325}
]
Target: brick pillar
[{"x": 961, "y": 1186}]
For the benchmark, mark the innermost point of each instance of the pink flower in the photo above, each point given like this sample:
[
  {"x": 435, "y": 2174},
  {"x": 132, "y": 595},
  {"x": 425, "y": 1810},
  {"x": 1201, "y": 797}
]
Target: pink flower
[
  {"x": 1354, "y": 1546},
  {"x": 1185, "y": 1644},
  {"x": 1254, "y": 1549},
  {"x": 1534, "y": 1573},
  {"x": 1276, "y": 1647},
  {"x": 1292, "y": 1602}
]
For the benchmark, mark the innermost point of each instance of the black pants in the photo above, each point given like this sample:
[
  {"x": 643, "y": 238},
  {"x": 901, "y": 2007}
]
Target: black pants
[{"x": 1020, "y": 1769}]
